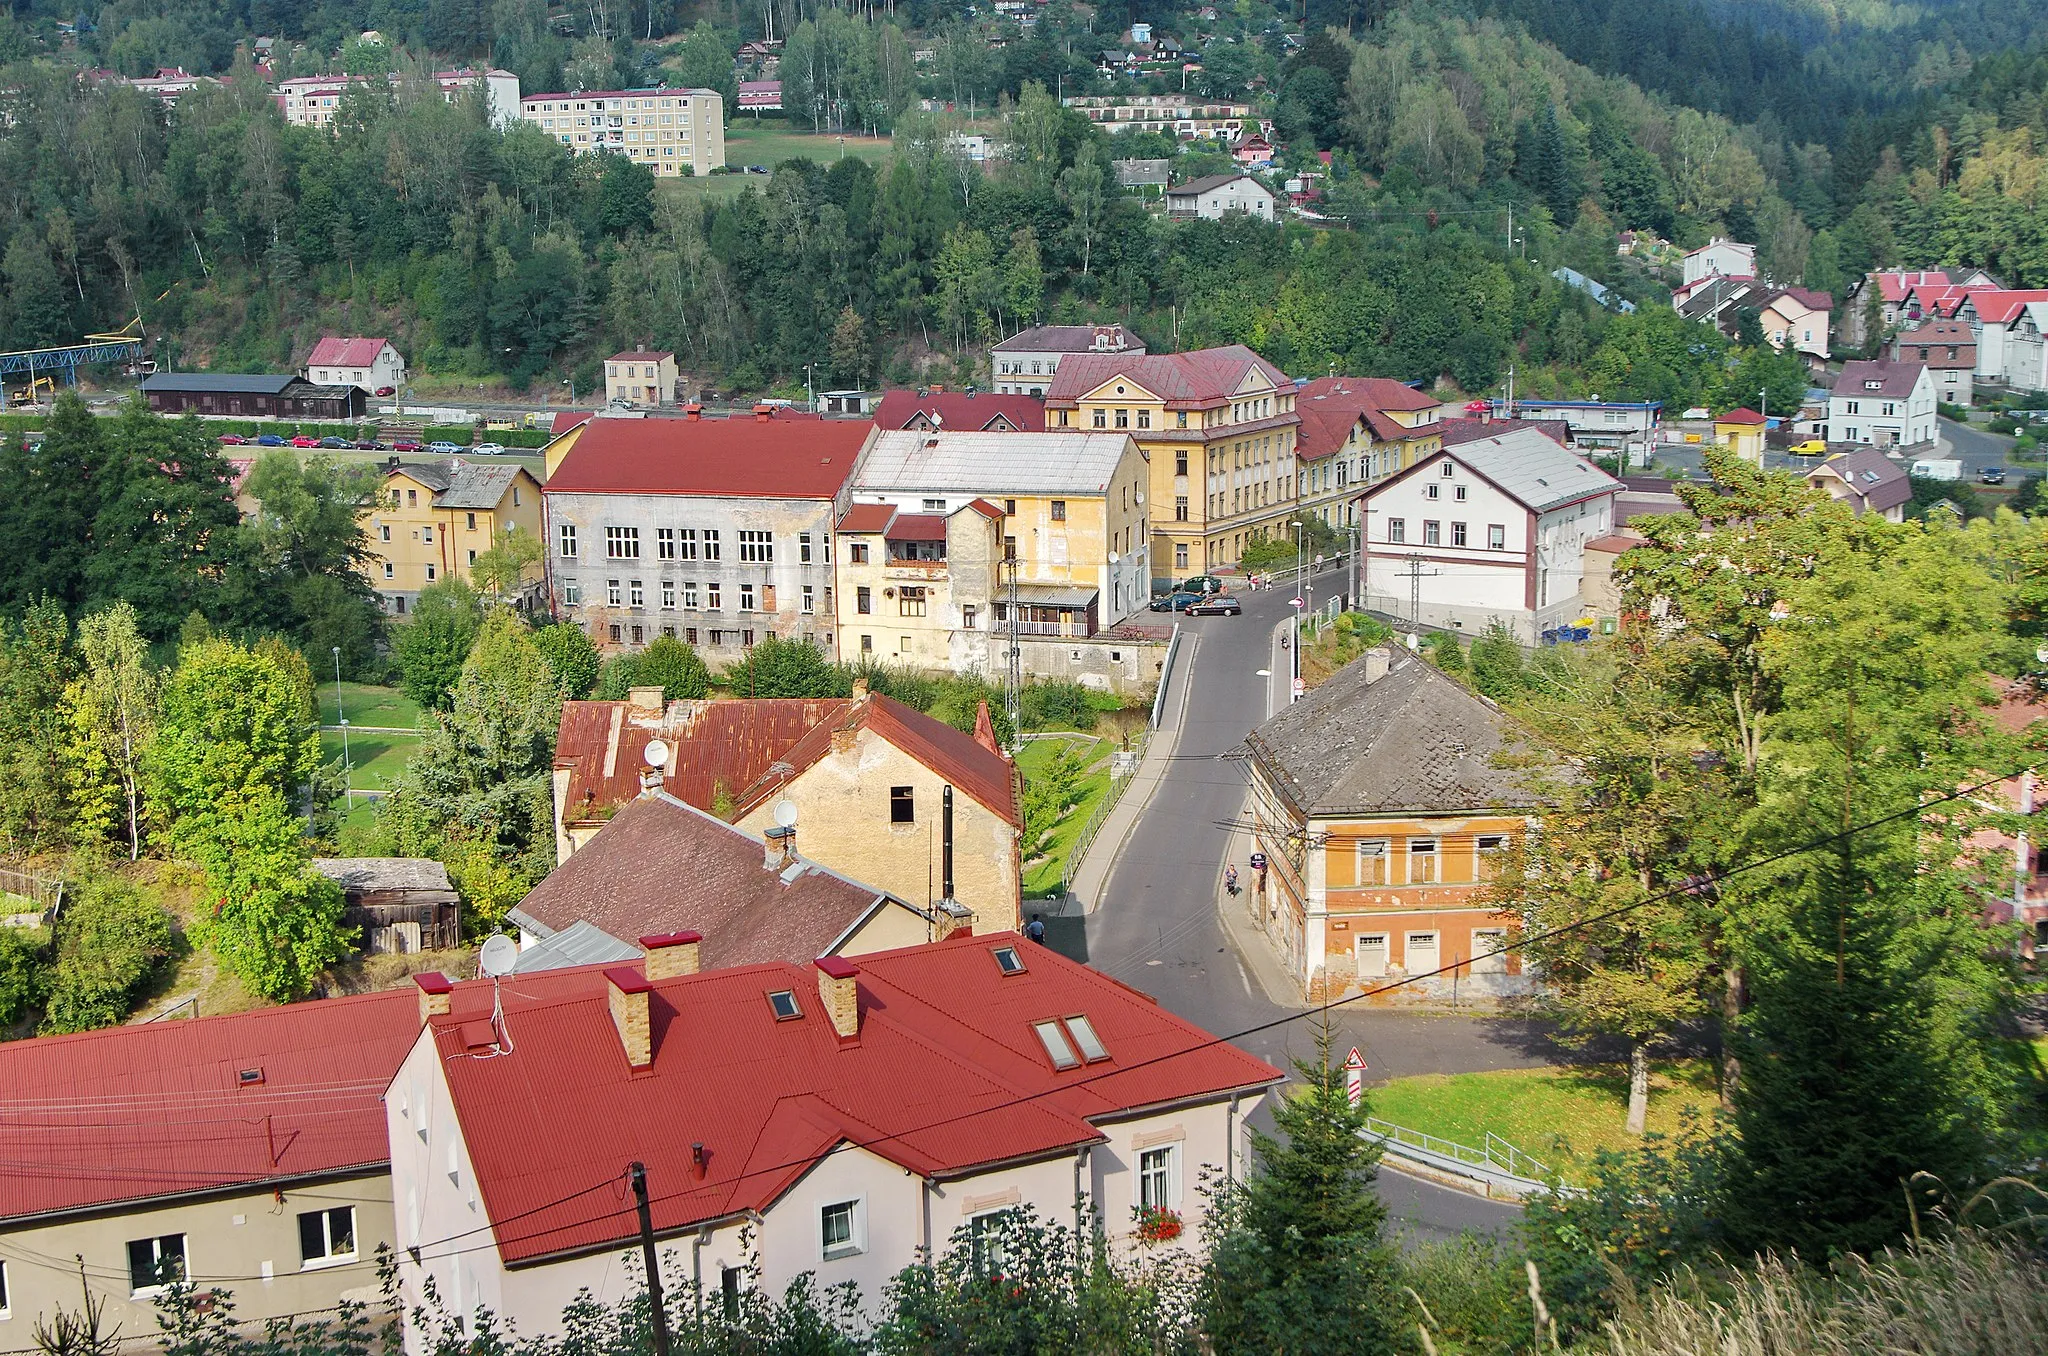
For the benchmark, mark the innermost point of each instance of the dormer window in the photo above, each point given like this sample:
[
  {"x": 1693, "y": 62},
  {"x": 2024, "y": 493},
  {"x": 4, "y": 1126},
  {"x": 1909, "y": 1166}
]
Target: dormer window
[
  {"x": 783, "y": 1004},
  {"x": 1873, "y": 386},
  {"x": 1008, "y": 961}
]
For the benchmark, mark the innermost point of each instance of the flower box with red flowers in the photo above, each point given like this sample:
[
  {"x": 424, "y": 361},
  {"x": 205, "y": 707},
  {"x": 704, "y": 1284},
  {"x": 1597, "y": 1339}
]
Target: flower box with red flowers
[{"x": 1156, "y": 1224}]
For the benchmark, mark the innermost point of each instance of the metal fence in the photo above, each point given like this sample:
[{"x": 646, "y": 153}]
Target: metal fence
[
  {"x": 1129, "y": 760},
  {"x": 1497, "y": 1156}
]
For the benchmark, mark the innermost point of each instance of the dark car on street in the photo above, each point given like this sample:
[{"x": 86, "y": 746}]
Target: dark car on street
[
  {"x": 336, "y": 442},
  {"x": 1991, "y": 475},
  {"x": 1216, "y": 605},
  {"x": 1177, "y": 601},
  {"x": 269, "y": 440}
]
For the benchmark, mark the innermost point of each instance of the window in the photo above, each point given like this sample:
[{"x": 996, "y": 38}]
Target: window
[
  {"x": 1180, "y": 463},
  {"x": 970, "y": 618},
  {"x": 614, "y": 633},
  {"x": 902, "y": 805},
  {"x": 934, "y": 506},
  {"x": 1421, "y": 956},
  {"x": 1144, "y": 419},
  {"x": 867, "y": 644},
  {"x": 1055, "y": 1042},
  {"x": 389, "y": 571},
  {"x": 1123, "y": 418},
  {"x": 689, "y": 595},
  {"x": 636, "y": 594},
  {"x": 863, "y": 600},
  {"x": 1488, "y": 847},
  {"x": 622, "y": 543},
  {"x": 470, "y": 522},
  {"x": 1010, "y": 508},
  {"x": 1457, "y": 534},
  {"x": 430, "y": 574},
  {"x": 1101, "y": 419},
  {"x": 412, "y": 497},
  {"x": 711, "y": 596},
  {"x": 152, "y": 1261},
  {"x": 1085, "y": 1040},
  {"x": 611, "y": 592},
  {"x": 686, "y": 544},
  {"x": 1430, "y": 491},
  {"x": 988, "y": 1237},
  {"x": 1496, "y": 537},
  {"x": 572, "y": 592},
  {"x": 665, "y": 543},
  {"x": 746, "y": 597},
  {"x": 1059, "y": 510},
  {"x": 1432, "y": 532},
  {"x": 1397, "y": 529},
  {"x": 1155, "y": 1178},
  {"x": 472, "y": 556},
  {"x": 1460, "y": 493},
  {"x": 1008, "y": 961},
  {"x": 383, "y": 532},
  {"x": 783, "y": 1004},
  {"x": 1422, "y": 861},
  {"x": 1447, "y": 470},
  {"x": 757, "y": 548},
  {"x": 568, "y": 541},
  {"x": 910, "y": 601},
  {"x": 807, "y": 606},
  {"x": 1371, "y": 954},
  {"x": 329, "y": 1236},
  {"x": 803, "y": 548},
  {"x": 427, "y": 533},
  {"x": 6, "y": 1305},
  {"x": 638, "y": 635},
  {"x": 1180, "y": 508},
  {"x": 839, "y": 1230},
  {"x": 857, "y": 554},
  {"x": 1489, "y": 951},
  {"x": 668, "y": 593},
  {"x": 1372, "y": 861},
  {"x": 1180, "y": 555},
  {"x": 710, "y": 543}
]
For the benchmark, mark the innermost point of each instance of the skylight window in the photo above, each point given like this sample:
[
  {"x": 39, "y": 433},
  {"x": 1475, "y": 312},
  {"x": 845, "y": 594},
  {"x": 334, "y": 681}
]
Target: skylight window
[
  {"x": 783, "y": 1003},
  {"x": 1085, "y": 1040},
  {"x": 1055, "y": 1042},
  {"x": 1009, "y": 961}
]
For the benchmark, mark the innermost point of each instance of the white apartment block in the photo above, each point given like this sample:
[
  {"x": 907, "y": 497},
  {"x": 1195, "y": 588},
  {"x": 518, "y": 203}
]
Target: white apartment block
[
  {"x": 671, "y": 131},
  {"x": 314, "y": 100}
]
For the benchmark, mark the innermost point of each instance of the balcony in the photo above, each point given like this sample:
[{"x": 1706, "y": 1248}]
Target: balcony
[{"x": 921, "y": 570}]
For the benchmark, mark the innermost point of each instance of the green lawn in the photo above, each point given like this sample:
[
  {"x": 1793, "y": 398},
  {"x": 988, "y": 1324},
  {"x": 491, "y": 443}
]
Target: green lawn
[
  {"x": 1045, "y": 878},
  {"x": 769, "y": 143},
  {"x": 375, "y": 760},
  {"x": 367, "y": 705},
  {"x": 1561, "y": 1116}
]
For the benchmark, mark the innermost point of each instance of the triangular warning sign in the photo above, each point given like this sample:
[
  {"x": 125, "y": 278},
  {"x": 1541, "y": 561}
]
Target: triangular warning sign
[{"x": 1354, "y": 1060}]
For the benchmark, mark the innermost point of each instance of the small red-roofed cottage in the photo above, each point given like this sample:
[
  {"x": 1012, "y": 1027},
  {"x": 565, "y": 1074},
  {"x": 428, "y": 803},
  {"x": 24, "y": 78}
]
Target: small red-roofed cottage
[
  {"x": 837, "y": 1118},
  {"x": 1741, "y": 431},
  {"x": 371, "y": 364}
]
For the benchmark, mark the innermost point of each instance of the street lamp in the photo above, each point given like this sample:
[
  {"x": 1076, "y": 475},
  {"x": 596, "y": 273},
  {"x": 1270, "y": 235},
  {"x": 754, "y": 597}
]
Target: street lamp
[
  {"x": 810, "y": 398},
  {"x": 347, "y": 788},
  {"x": 570, "y": 382}
]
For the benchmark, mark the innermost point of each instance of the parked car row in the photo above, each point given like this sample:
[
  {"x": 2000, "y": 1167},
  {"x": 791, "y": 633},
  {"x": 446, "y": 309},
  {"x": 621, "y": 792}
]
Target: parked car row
[{"x": 441, "y": 448}]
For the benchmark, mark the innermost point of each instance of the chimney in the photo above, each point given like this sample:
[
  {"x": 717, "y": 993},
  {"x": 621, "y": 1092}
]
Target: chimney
[
  {"x": 1377, "y": 662},
  {"x": 951, "y": 918},
  {"x": 837, "y": 992},
  {"x": 761, "y": 413},
  {"x": 670, "y": 955},
  {"x": 780, "y": 847},
  {"x": 436, "y": 993},
  {"x": 692, "y": 412},
  {"x": 627, "y": 990},
  {"x": 646, "y": 699},
  {"x": 860, "y": 689}
]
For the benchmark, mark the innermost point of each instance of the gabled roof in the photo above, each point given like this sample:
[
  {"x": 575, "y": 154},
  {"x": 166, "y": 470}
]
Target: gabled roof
[
  {"x": 1523, "y": 464},
  {"x": 867, "y": 518},
  {"x": 1413, "y": 741},
  {"x": 1895, "y": 380},
  {"x": 740, "y": 458},
  {"x": 1999, "y": 306},
  {"x": 385, "y": 873},
  {"x": 134, "y": 1113},
  {"x": 661, "y": 866},
  {"x": 917, "y": 527},
  {"x": 1893, "y": 284},
  {"x": 945, "y": 1077},
  {"x": 1203, "y": 379},
  {"x": 1071, "y": 339},
  {"x": 463, "y": 484},
  {"x": 1194, "y": 188},
  {"x": 1876, "y": 483},
  {"x": 1061, "y": 462},
  {"x": 1331, "y": 406},
  {"x": 1741, "y": 414},
  {"x": 1457, "y": 431},
  {"x": 957, "y": 410},
  {"x": 334, "y": 352},
  {"x": 567, "y": 419},
  {"x": 641, "y": 356},
  {"x": 1805, "y": 296}
]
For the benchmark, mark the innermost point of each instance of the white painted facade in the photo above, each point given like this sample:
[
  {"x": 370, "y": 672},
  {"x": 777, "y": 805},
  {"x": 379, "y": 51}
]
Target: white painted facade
[
  {"x": 442, "y": 1216},
  {"x": 1880, "y": 420},
  {"x": 386, "y": 369},
  {"x": 2026, "y": 367},
  {"x": 1243, "y": 194},
  {"x": 1720, "y": 258},
  {"x": 1446, "y": 547}
]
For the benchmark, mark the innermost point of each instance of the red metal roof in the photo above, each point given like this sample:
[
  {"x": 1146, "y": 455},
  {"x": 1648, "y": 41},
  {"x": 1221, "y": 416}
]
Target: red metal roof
[
  {"x": 136, "y": 1112},
  {"x": 746, "y": 458},
  {"x": 568, "y": 419},
  {"x": 334, "y": 352},
  {"x": 2000, "y": 306},
  {"x": 946, "y": 1076},
  {"x": 959, "y": 411},
  {"x": 1202, "y": 379},
  {"x": 867, "y": 518}
]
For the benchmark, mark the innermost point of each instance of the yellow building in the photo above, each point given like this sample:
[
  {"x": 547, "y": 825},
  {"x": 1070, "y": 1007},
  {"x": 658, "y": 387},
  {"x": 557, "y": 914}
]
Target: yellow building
[
  {"x": 1218, "y": 427},
  {"x": 435, "y": 518},
  {"x": 671, "y": 131},
  {"x": 1379, "y": 814},
  {"x": 641, "y": 377},
  {"x": 1741, "y": 431},
  {"x": 916, "y": 588},
  {"x": 1356, "y": 430}
]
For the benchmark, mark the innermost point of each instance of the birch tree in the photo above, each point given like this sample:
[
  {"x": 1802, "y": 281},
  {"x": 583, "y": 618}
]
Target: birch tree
[{"x": 109, "y": 718}]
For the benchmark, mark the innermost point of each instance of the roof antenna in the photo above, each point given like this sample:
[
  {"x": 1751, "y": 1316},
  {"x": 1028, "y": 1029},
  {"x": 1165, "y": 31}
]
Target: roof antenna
[{"x": 497, "y": 958}]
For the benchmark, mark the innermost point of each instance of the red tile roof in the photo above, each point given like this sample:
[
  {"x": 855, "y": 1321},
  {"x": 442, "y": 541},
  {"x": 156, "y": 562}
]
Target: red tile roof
[
  {"x": 1331, "y": 406},
  {"x": 961, "y": 412},
  {"x": 1999, "y": 306},
  {"x": 1377, "y": 393},
  {"x": 1741, "y": 414},
  {"x": 662, "y": 866},
  {"x": 945, "y": 1077},
  {"x": 1203, "y": 379},
  {"x": 867, "y": 518},
  {"x": 1805, "y": 296},
  {"x": 333, "y": 352},
  {"x": 136, "y": 1112},
  {"x": 1895, "y": 283},
  {"x": 749, "y": 458}
]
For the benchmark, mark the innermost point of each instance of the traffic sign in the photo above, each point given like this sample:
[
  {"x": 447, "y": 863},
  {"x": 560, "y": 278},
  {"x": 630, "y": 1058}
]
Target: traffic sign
[
  {"x": 1354, "y": 1077},
  {"x": 1297, "y": 602},
  {"x": 1354, "y": 1060}
]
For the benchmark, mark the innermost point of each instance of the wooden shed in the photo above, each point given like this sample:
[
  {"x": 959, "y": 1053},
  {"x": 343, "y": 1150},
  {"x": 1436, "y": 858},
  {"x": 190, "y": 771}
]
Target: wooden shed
[{"x": 402, "y": 904}]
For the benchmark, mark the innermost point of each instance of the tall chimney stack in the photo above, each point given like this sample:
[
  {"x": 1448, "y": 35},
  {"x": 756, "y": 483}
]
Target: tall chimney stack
[
  {"x": 780, "y": 847},
  {"x": 627, "y": 989},
  {"x": 838, "y": 992},
  {"x": 670, "y": 955},
  {"x": 437, "y": 993}
]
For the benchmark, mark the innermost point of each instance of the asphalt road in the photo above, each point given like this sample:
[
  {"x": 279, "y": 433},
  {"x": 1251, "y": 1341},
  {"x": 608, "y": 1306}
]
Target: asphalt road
[{"x": 1157, "y": 927}]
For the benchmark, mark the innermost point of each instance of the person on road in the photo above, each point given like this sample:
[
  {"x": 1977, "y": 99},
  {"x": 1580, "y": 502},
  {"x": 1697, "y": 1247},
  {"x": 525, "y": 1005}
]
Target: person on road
[
  {"x": 1230, "y": 878},
  {"x": 1035, "y": 929}
]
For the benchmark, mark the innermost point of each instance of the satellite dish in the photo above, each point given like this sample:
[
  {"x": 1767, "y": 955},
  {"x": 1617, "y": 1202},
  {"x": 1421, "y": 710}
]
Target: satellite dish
[
  {"x": 657, "y": 753},
  {"x": 785, "y": 813},
  {"x": 500, "y": 953}
]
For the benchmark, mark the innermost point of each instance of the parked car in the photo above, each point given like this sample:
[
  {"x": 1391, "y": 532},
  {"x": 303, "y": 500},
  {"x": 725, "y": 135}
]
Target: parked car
[
  {"x": 336, "y": 442},
  {"x": 488, "y": 449},
  {"x": 269, "y": 440},
  {"x": 443, "y": 446},
  {"x": 1216, "y": 605},
  {"x": 232, "y": 440},
  {"x": 387, "y": 390},
  {"x": 305, "y": 440},
  {"x": 1201, "y": 583},
  {"x": 1812, "y": 447},
  {"x": 368, "y": 445},
  {"x": 1177, "y": 601},
  {"x": 406, "y": 445},
  {"x": 1992, "y": 475}
]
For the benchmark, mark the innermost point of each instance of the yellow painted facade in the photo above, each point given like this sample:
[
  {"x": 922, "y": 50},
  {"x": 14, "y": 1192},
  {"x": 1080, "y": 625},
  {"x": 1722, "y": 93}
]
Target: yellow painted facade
[
  {"x": 414, "y": 541},
  {"x": 1219, "y": 475},
  {"x": 1328, "y": 486}
]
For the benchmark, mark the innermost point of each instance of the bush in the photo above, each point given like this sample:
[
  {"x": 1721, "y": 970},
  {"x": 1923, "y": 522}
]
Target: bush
[
  {"x": 787, "y": 668},
  {"x": 1953, "y": 412},
  {"x": 21, "y": 973},
  {"x": 569, "y": 652},
  {"x": 1057, "y": 705},
  {"x": 110, "y": 940}
]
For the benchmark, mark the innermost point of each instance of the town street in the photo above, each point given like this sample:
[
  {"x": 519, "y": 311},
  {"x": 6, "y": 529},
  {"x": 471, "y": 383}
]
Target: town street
[{"x": 1158, "y": 928}]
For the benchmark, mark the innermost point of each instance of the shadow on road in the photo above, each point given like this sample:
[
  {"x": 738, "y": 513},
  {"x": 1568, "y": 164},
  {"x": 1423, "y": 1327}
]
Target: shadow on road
[{"x": 1068, "y": 936}]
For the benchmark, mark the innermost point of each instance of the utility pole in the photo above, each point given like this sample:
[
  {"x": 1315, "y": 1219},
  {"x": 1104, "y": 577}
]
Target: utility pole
[
  {"x": 1415, "y": 577},
  {"x": 1013, "y": 686},
  {"x": 347, "y": 784},
  {"x": 638, "y": 1172}
]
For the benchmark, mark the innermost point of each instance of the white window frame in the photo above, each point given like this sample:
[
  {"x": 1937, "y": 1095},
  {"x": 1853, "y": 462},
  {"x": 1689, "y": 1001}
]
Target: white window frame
[
  {"x": 1482, "y": 854},
  {"x": 6, "y": 1293},
  {"x": 155, "y": 1242},
  {"x": 1436, "y": 937},
  {"x": 330, "y": 1258},
  {"x": 856, "y": 1241},
  {"x": 1375, "y": 849},
  {"x": 1415, "y": 852},
  {"x": 1159, "y": 1163},
  {"x": 566, "y": 541},
  {"x": 1494, "y": 959},
  {"x": 621, "y": 542}
]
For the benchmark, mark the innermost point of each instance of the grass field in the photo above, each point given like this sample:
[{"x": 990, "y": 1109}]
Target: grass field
[
  {"x": 1045, "y": 877},
  {"x": 367, "y": 705},
  {"x": 769, "y": 144},
  {"x": 1562, "y": 1116},
  {"x": 375, "y": 760}
]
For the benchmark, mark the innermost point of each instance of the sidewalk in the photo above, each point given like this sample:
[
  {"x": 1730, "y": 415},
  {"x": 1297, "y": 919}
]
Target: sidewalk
[
  {"x": 1093, "y": 873},
  {"x": 1259, "y": 958}
]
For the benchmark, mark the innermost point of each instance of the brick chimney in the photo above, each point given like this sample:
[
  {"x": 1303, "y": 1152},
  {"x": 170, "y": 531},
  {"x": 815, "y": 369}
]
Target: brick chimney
[
  {"x": 646, "y": 699},
  {"x": 952, "y": 919},
  {"x": 669, "y": 955},
  {"x": 837, "y": 991},
  {"x": 762, "y": 414},
  {"x": 437, "y": 992},
  {"x": 780, "y": 848},
  {"x": 860, "y": 689},
  {"x": 692, "y": 412},
  {"x": 627, "y": 988}
]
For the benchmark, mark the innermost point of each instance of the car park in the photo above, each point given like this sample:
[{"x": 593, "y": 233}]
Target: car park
[
  {"x": 489, "y": 449},
  {"x": 336, "y": 442},
  {"x": 1216, "y": 605},
  {"x": 1177, "y": 601},
  {"x": 232, "y": 440},
  {"x": 269, "y": 440},
  {"x": 443, "y": 447}
]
